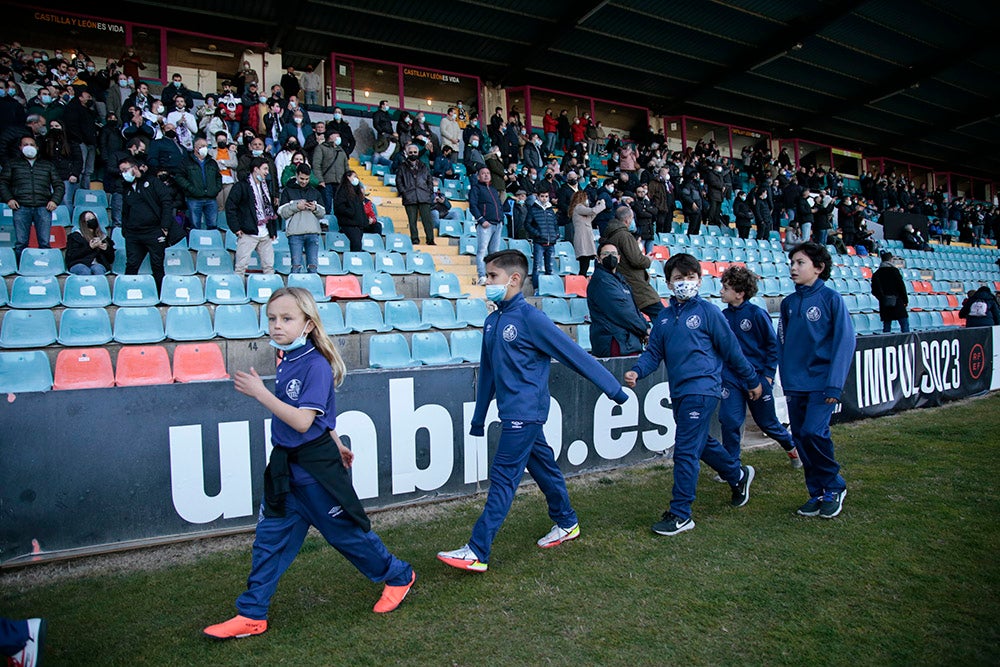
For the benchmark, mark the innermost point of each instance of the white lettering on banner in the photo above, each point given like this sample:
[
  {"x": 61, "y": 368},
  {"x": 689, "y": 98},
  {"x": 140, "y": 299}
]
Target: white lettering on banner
[
  {"x": 187, "y": 473},
  {"x": 609, "y": 418},
  {"x": 653, "y": 408},
  {"x": 359, "y": 429},
  {"x": 876, "y": 370},
  {"x": 941, "y": 358},
  {"x": 404, "y": 424},
  {"x": 475, "y": 446}
]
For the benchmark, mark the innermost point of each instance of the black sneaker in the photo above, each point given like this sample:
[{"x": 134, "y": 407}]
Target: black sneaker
[
  {"x": 833, "y": 502},
  {"x": 671, "y": 524},
  {"x": 741, "y": 492},
  {"x": 811, "y": 508}
]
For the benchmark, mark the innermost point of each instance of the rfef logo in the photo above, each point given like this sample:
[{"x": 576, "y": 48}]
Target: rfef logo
[{"x": 977, "y": 361}]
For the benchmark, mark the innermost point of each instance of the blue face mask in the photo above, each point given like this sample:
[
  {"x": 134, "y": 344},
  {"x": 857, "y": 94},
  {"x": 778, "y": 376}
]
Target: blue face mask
[
  {"x": 631, "y": 226},
  {"x": 129, "y": 176},
  {"x": 496, "y": 293},
  {"x": 3, "y": 92},
  {"x": 295, "y": 344},
  {"x": 46, "y": 99}
]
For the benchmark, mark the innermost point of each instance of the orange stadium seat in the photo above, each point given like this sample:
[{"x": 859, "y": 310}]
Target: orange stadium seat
[
  {"x": 88, "y": 368},
  {"x": 143, "y": 365},
  {"x": 197, "y": 362},
  {"x": 577, "y": 285}
]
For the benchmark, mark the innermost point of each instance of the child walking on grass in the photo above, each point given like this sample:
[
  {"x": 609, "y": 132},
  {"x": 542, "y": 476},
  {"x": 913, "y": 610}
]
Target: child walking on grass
[{"x": 306, "y": 482}]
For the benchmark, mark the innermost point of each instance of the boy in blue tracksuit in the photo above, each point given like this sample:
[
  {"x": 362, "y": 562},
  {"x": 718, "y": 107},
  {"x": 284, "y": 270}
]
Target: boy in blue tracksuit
[
  {"x": 692, "y": 338},
  {"x": 752, "y": 327},
  {"x": 816, "y": 345},
  {"x": 519, "y": 343}
]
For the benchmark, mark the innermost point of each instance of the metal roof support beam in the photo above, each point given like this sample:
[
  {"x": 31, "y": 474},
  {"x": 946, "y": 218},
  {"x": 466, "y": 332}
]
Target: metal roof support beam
[
  {"x": 788, "y": 39},
  {"x": 977, "y": 113}
]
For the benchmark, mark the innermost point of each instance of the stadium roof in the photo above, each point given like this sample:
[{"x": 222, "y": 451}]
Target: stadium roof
[{"x": 918, "y": 80}]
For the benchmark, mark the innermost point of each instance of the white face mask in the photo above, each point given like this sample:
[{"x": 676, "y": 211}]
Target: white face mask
[
  {"x": 298, "y": 121},
  {"x": 203, "y": 151},
  {"x": 685, "y": 289},
  {"x": 355, "y": 181},
  {"x": 295, "y": 344},
  {"x": 29, "y": 152}
]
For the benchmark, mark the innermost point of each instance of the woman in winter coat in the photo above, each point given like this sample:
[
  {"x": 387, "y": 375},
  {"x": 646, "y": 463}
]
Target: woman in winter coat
[{"x": 583, "y": 228}]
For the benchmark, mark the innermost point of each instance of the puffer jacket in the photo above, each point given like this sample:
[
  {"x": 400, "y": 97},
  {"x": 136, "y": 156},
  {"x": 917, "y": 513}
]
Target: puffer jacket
[
  {"x": 542, "y": 224},
  {"x": 414, "y": 183},
  {"x": 31, "y": 185}
]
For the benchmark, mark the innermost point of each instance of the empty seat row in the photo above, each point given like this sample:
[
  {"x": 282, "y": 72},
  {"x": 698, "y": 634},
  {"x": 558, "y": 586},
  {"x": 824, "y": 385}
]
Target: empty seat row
[
  {"x": 429, "y": 348},
  {"x": 91, "y": 368}
]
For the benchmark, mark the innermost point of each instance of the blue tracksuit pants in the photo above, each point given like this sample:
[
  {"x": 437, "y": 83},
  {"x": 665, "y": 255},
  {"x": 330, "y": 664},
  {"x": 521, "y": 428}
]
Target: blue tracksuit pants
[
  {"x": 13, "y": 636},
  {"x": 809, "y": 415},
  {"x": 693, "y": 417},
  {"x": 733, "y": 412},
  {"x": 279, "y": 539},
  {"x": 521, "y": 445}
]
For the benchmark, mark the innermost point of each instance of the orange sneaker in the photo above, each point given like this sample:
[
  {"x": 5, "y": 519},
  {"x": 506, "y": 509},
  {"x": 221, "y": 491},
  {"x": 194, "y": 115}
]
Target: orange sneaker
[
  {"x": 236, "y": 628},
  {"x": 392, "y": 596}
]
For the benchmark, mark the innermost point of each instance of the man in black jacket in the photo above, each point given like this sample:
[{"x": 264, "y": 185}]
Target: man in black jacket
[
  {"x": 147, "y": 217},
  {"x": 617, "y": 328},
  {"x": 80, "y": 121},
  {"x": 381, "y": 122},
  {"x": 251, "y": 216},
  {"x": 200, "y": 180},
  {"x": 32, "y": 189},
  {"x": 338, "y": 124},
  {"x": 890, "y": 290},
  {"x": 416, "y": 187}
]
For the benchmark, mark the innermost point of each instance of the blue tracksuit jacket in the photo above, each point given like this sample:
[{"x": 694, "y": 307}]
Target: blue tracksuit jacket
[
  {"x": 519, "y": 344},
  {"x": 693, "y": 339},
  {"x": 752, "y": 327},
  {"x": 816, "y": 341}
]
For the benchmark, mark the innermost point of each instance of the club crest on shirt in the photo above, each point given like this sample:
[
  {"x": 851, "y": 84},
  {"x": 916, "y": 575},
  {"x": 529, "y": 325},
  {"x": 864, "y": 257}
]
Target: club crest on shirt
[
  {"x": 509, "y": 333},
  {"x": 693, "y": 322},
  {"x": 746, "y": 325},
  {"x": 813, "y": 313},
  {"x": 293, "y": 388}
]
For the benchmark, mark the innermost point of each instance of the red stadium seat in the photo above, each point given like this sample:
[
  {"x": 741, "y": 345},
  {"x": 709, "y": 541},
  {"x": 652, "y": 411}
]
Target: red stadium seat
[
  {"x": 197, "y": 362},
  {"x": 88, "y": 368},
  {"x": 722, "y": 266},
  {"x": 866, "y": 272},
  {"x": 952, "y": 301},
  {"x": 709, "y": 269},
  {"x": 143, "y": 365},
  {"x": 343, "y": 287},
  {"x": 57, "y": 237},
  {"x": 661, "y": 252},
  {"x": 577, "y": 285},
  {"x": 851, "y": 250}
]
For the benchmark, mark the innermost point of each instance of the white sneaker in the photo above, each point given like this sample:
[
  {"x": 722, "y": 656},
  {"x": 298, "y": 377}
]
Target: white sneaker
[
  {"x": 31, "y": 654},
  {"x": 558, "y": 535},
  {"x": 462, "y": 558}
]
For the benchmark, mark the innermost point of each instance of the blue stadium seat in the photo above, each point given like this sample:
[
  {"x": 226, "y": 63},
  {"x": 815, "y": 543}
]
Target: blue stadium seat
[
  {"x": 390, "y": 262},
  {"x": 550, "y": 286},
  {"x": 189, "y": 323},
  {"x": 467, "y": 345},
  {"x": 468, "y": 244},
  {"x": 182, "y": 291},
  {"x": 100, "y": 212},
  {"x": 523, "y": 246},
  {"x": 372, "y": 242},
  {"x": 337, "y": 241},
  {"x": 661, "y": 287},
  {"x": 786, "y": 284},
  {"x": 3, "y": 293},
  {"x": 61, "y": 217},
  {"x": 446, "y": 285},
  {"x": 332, "y": 223},
  {"x": 134, "y": 326},
  {"x": 579, "y": 309},
  {"x": 851, "y": 301},
  {"x": 310, "y": 281},
  {"x": 558, "y": 311},
  {"x": 260, "y": 286},
  {"x": 281, "y": 242},
  {"x": 8, "y": 262},
  {"x": 24, "y": 371},
  {"x": 568, "y": 266},
  {"x": 95, "y": 198},
  {"x": 178, "y": 262},
  {"x": 387, "y": 225},
  {"x": 118, "y": 268},
  {"x": 416, "y": 262},
  {"x": 206, "y": 239},
  {"x": 358, "y": 263},
  {"x": 450, "y": 228},
  {"x": 84, "y": 327},
  {"x": 874, "y": 322},
  {"x": 135, "y": 291},
  {"x": 237, "y": 321},
  {"x": 41, "y": 262},
  {"x": 35, "y": 292},
  {"x": 225, "y": 289},
  {"x": 400, "y": 243},
  {"x": 583, "y": 336},
  {"x": 282, "y": 261},
  {"x": 364, "y": 316},
  {"x": 431, "y": 348},
  {"x": 328, "y": 263},
  {"x": 404, "y": 316},
  {"x": 214, "y": 261},
  {"x": 860, "y": 323},
  {"x": 473, "y": 311},
  {"x": 380, "y": 286},
  {"x": 389, "y": 351},
  {"x": 439, "y": 314},
  {"x": 27, "y": 328},
  {"x": 332, "y": 318}
]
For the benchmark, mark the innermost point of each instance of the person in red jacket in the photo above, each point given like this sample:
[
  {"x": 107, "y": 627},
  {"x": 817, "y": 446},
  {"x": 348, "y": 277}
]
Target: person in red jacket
[
  {"x": 579, "y": 130},
  {"x": 551, "y": 129}
]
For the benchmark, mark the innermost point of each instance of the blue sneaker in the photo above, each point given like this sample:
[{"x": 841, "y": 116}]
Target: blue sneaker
[
  {"x": 833, "y": 503},
  {"x": 811, "y": 507}
]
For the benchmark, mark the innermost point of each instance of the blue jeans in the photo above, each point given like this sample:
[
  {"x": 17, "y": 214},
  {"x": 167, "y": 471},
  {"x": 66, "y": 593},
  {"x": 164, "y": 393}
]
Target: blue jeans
[
  {"x": 453, "y": 214},
  {"x": 94, "y": 269},
  {"x": 311, "y": 96},
  {"x": 904, "y": 325},
  {"x": 809, "y": 414},
  {"x": 733, "y": 412},
  {"x": 279, "y": 539},
  {"x": 488, "y": 243},
  {"x": 26, "y": 217},
  {"x": 542, "y": 253},
  {"x": 550, "y": 142},
  {"x": 203, "y": 213},
  {"x": 329, "y": 192},
  {"x": 521, "y": 445},
  {"x": 693, "y": 417},
  {"x": 821, "y": 235},
  {"x": 296, "y": 242},
  {"x": 70, "y": 195}
]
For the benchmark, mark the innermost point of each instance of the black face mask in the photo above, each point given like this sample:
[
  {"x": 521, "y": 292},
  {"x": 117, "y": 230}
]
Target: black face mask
[
  {"x": 610, "y": 262},
  {"x": 92, "y": 223},
  {"x": 170, "y": 134},
  {"x": 412, "y": 158}
]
